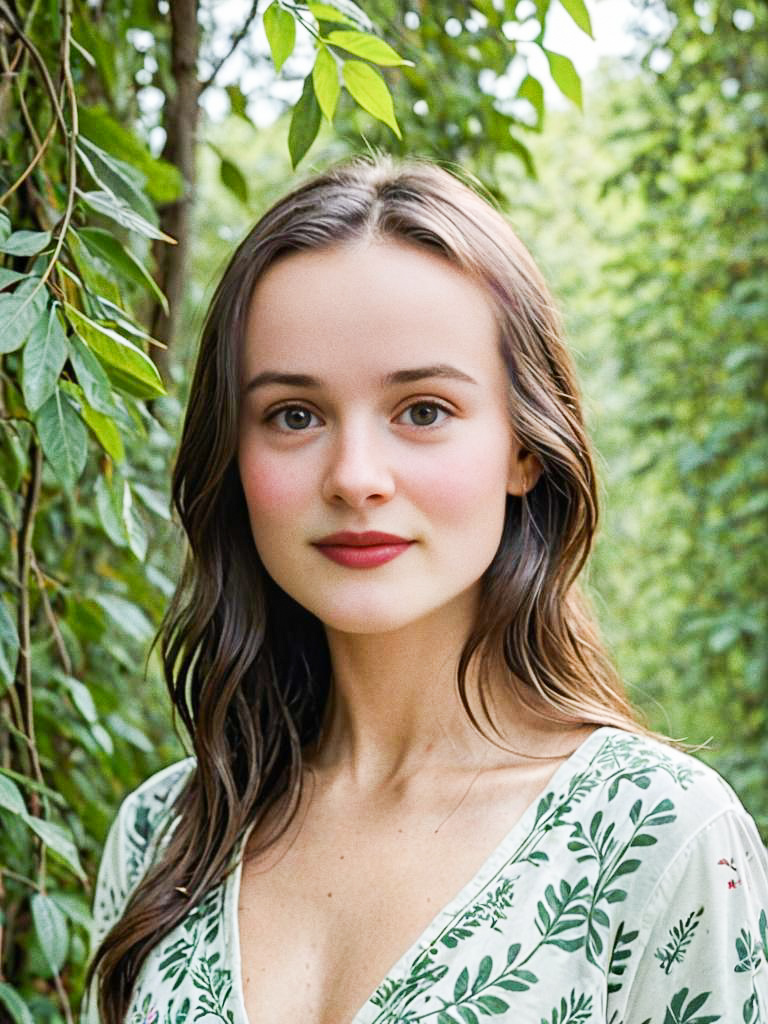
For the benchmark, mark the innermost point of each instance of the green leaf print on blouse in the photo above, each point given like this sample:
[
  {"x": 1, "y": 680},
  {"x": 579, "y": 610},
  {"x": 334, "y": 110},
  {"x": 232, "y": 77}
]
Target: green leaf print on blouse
[
  {"x": 200, "y": 926},
  {"x": 751, "y": 953},
  {"x": 143, "y": 830},
  {"x": 185, "y": 957},
  {"x": 589, "y": 910},
  {"x": 570, "y": 916},
  {"x": 577, "y": 1011},
  {"x": 489, "y": 911},
  {"x": 619, "y": 957},
  {"x": 680, "y": 938},
  {"x": 684, "y": 1011}
]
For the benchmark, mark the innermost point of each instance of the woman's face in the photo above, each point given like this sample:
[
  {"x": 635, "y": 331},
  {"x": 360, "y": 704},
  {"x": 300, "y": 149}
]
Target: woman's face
[{"x": 375, "y": 401}]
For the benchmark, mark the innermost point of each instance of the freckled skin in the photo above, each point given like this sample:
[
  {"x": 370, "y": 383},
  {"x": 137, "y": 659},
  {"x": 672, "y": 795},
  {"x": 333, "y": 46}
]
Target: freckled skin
[{"x": 348, "y": 316}]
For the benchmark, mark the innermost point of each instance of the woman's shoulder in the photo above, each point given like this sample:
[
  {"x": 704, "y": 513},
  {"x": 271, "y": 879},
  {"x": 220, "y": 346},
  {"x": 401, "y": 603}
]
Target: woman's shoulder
[
  {"x": 136, "y": 828},
  {"x": 132, "y": 840},
  {"x": 636, "y": 780},
  {"x": 159, "y": 790}
]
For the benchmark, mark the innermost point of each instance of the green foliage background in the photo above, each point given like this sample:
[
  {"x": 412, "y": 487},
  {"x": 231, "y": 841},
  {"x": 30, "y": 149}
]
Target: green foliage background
[{"x": 648, "y": 214}]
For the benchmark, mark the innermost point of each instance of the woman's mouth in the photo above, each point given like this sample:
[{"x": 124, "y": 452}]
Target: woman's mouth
[{"x": 362, "y": 550}]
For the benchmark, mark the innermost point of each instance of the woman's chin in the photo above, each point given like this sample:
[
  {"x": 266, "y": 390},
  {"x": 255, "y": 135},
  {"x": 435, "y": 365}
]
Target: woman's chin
[{"x": 365, "y": 622}]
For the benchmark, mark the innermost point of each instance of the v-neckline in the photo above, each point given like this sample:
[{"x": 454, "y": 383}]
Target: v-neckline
[{"x": 468, "y": 892}]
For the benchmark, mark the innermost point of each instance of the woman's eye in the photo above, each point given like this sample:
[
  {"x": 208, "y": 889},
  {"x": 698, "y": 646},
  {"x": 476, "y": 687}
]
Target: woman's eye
[
  {"x": 425, "y": 414},
  {"x": 292, "y": 417}
]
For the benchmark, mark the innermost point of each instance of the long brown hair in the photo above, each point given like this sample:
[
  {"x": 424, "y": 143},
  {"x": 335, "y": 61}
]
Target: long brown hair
[{"x": 248, "y": 668}]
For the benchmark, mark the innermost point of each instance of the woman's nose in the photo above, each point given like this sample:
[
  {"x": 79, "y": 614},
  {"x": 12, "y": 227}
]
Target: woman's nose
[{"x": 358, "y": 471}]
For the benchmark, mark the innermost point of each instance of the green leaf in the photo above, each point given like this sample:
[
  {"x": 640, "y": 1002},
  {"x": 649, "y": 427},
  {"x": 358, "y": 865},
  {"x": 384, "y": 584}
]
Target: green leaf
[
  {"x": 126, "y": 616},
  {"x": 565, "y": 76},
  {"x": 155, "y": 502},
  {"x": 75, "y": 909},
  {"x": 133, "y": 370},
  {"x": 532, "y": 90},
  {"x": 137, "y": 536},
  {"x": 91, "y": 375},
  {"x": 81, "y": 697},
  {"x": 59, "y": 841},
  {"x": 233, "y": 179},
  {"x": 325, "y": 79},
  {"x": 163, "y": 180},
  {"x": 280, "y": 28},
  {"x": 25, "y": 243},
  {"x": 14, "y": 1004},
  {"x": 9, "y": 645},
  {"x": 578, "y": 11},
  {"x": 63, "y": 438},
  {"x": 44, "y": 356},
  {"x": 117, "y": 177},
  {"x": 5, "y": 225},
  {"x": 95, "y": 275},
  {"x": 370, "y": 90},
  {"x": 10, "y": 277},
  {"x": 103, "y": 244},
  {"x": 105, "y": 431},
  {"x": 129, "y": 733},
  {"x": 119, "y": 211},
  {"x": 109, "y": 505},
  {"x": 10, "y": 796},
  {"x": 368, "y": 47},
  {"x": 305, "y": 123},
  {"x": 513, "y": 145},
  {"x": 99, "y": 46},
  {"x": 52, "y": 930},
  {"x": 327, "y": 12},
  {"x": 19, "y": 312},
  {"x": 238, "y": 102},
  {"x": 342, "y": 12}
]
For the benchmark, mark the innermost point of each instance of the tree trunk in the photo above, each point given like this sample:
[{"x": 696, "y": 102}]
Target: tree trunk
[{"x": 181, "y": 121}]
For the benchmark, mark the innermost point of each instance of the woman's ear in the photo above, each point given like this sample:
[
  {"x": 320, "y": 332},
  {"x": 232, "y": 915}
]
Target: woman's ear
[{"x": 524, "y": 471}]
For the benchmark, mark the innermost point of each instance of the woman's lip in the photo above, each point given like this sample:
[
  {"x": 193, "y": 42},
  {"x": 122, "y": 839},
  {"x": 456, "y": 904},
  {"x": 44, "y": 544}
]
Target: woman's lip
[
  {"x": 363, "y": 556},
  {"x": 369, "y": 538}
]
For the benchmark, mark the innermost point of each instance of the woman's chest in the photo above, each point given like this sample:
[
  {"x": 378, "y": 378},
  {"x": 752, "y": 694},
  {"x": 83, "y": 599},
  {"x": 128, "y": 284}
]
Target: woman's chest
[{"x": 321, "y": 927}]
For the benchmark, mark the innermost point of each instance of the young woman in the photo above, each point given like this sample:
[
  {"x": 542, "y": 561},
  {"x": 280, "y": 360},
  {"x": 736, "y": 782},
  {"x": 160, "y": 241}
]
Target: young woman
[{"x": 417, "y": 790}]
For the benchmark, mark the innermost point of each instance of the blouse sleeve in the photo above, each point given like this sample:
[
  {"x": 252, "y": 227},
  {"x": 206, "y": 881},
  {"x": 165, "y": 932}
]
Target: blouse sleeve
[
  {"x": 128, "y": 850},
  {"x": 704, "y": 956},
  {"x": 110, "y": 896}
]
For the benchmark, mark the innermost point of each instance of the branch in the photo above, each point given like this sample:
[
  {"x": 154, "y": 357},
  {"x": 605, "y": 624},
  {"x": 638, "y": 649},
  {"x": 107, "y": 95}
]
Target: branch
[
  {"x": 51, "y": 616},
  {"x": 24, "y": 665},
  {"x": 69, "y": 86},
  {"x": 41, "y": 148},
  {"x": 236, "y": 40},
  {"x": 6, "y": 13}
]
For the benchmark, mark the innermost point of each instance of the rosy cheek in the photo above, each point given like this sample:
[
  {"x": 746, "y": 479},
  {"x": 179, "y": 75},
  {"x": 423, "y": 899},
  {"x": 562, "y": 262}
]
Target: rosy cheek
[
  {"x": 466, "y": 484},
  {"x": 271, "y": 490}
]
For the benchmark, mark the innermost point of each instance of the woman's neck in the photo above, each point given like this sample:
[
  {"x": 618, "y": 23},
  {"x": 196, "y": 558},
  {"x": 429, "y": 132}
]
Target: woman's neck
[
  {"x": 394, "y": 704},
  {"x": 395, "y": 709}
]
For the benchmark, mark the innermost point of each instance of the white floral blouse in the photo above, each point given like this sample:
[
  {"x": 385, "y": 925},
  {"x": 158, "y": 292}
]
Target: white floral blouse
[{"x": 633, "y": 891}]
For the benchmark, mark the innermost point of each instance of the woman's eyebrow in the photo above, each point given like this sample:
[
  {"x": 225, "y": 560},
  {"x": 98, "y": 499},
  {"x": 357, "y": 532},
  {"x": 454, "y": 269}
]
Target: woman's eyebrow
[
  {"x": 410, "y": 376},
  {"x": 424, "y": 372}
]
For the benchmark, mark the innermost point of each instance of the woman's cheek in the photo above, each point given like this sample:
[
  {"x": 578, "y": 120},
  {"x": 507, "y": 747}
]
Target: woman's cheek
[
  {"x": 470, "y": 480},
  {"x": 271, "y": 488}
]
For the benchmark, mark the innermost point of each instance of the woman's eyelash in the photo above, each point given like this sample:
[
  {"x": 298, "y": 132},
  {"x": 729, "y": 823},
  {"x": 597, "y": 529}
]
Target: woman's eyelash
[
  {"x": 425, "y": 403},
  {"x": 299, "y": 425},
  {"x": 294, "y": 407}
]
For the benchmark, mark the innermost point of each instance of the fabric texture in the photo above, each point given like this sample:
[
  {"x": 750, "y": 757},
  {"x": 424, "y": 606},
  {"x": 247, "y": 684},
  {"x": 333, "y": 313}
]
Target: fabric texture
[{"x": 633, "y": 891}]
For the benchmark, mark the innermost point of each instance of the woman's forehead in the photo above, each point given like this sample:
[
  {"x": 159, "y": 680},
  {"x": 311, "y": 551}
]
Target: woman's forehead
[{"x": 382, "y": 305}]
